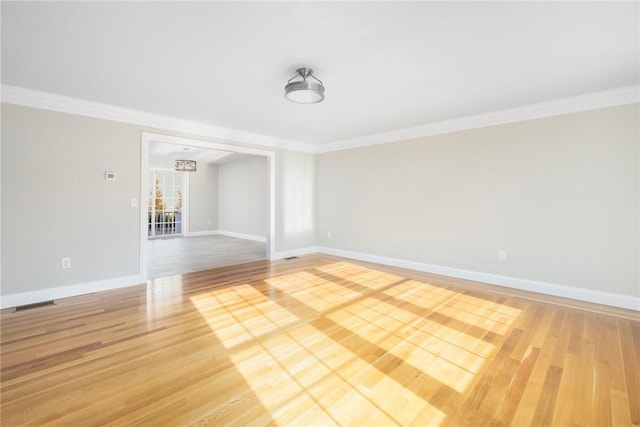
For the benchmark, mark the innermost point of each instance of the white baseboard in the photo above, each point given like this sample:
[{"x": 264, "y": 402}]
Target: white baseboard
[
  {"x": 201, "y": 233},
  {"x": 226, "y": 233},
  {"x": 294, "y": 252},
  {"x": 31, "y": 297},
  {"x": 242, "y": 236},
  {"x": 588, "y": 295},
  {"x": 598, "y": 297}
]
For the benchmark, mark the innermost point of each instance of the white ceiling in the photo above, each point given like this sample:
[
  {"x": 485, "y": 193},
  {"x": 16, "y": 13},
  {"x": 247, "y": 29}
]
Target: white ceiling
[
  {"x": 386, "y": 65},
  {"x": 199, "y": 154}
]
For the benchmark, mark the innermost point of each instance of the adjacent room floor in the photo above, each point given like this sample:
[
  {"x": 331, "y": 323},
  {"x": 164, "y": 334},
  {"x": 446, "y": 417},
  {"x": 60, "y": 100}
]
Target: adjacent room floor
[{"x": 178, "y": 255}]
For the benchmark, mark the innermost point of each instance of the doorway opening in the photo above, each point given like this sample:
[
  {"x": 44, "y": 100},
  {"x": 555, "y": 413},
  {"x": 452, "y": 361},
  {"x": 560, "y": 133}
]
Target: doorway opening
[{"x": 172, "y": 211}]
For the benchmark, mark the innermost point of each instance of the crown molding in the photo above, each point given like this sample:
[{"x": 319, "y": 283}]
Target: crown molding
[
  {"x": 592, "y": 101},
  {"x": 574, "y": 104},
  {"x": 48, "y": 101}
]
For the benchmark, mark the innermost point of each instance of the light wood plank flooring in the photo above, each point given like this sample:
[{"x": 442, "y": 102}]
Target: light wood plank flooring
[
  {"x": 178, "y": 255},
  {"x": 319, "y": 340}
]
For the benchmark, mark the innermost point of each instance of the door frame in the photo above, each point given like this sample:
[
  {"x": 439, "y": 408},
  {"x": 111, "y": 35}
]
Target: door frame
[{"x": 148, "y": 137}]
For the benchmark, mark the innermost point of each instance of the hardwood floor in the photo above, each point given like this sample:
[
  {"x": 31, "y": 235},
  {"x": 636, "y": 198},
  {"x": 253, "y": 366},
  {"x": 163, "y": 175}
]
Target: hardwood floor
[
  {"x": 178, "y": 255},
  {"x": 319, "y": 340}
]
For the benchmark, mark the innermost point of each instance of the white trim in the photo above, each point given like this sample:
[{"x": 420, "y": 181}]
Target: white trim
[
  {"x": 144, "y": 216},
  {"x": 65, "y": 104},
  {"x": 243, "y": 236},
  {"x": 31, "y": 297},
  {"x": 227, "y": 233},
  {"x": 294, "y": 252},
  {"x": 591, "y": 101},
  {"x": 598, "y": 297},
  {"x": 185, "y": 204},
  {"x": 588, "y": 295},
  {"x": 574, "y": 104},
  {"x": 201, "y": 233},
  {"x": 271, "y": 213}
]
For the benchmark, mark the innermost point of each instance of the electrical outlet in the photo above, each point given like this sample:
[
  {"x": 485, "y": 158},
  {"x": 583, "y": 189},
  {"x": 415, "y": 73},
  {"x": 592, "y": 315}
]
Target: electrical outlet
[
  {"x": 328, "y": 234},
  {"x": 502, "y": 255},
  {"x": 65, "y": 263}
]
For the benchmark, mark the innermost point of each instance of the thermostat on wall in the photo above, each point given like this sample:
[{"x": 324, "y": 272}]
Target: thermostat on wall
[{"x": 110, "y": 176}]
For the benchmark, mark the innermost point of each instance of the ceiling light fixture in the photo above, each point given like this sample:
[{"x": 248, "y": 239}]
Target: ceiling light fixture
[
  {"x": 185, "y": 165},
  {"x": 304, "y": 91}
]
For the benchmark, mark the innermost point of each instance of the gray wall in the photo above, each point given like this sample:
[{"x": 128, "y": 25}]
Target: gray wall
[
  {"x": 56, "y": 202},
  {"x": 559, "y": 195},
  {"x": 296, "y": 198},
  {"x": 243, "y": 197},
  {"x": 203, "y": 198}
]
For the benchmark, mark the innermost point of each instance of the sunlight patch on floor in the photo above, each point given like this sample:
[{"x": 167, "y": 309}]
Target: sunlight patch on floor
[
  {"x": 371, "y": 348},
  {"x": 367, "y": 277},
  {"x": 427, "y": 353},
  {"x": 241, "y": 313},
  {"x": 331, "y": 386},
  {"x": 315, "y": 292},
  {"x": 474, "y": 311}
]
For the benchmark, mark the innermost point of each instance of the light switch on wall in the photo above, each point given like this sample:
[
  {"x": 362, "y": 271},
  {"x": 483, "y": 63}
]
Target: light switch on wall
[{"x": 134, "y": 202}]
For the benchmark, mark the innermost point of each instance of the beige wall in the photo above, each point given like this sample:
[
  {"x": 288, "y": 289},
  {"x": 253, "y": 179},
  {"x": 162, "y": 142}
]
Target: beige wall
[{"x": 559, "y": 195}]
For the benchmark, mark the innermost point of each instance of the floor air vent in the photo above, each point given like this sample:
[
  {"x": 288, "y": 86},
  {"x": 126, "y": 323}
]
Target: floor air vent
[
  {"x": 34, "y": 305},
  {"x": 291, "y": 257}
]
